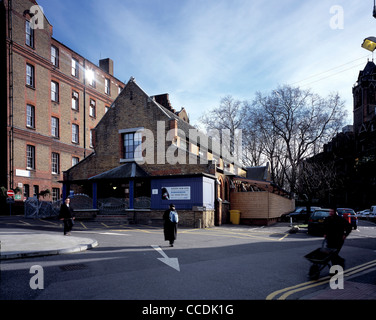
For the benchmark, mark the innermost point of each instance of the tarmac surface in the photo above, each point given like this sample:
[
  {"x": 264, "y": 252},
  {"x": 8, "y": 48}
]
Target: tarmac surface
[{"x": 25, "y": 243}]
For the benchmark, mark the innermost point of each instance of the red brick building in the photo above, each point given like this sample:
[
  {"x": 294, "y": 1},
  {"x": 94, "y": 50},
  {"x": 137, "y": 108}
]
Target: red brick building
[{"x": 52, "y": 100}]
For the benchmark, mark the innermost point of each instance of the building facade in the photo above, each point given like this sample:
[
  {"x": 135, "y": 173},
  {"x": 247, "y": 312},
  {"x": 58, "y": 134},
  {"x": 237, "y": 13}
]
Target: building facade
[
  {"x": 53, "y": 99},
  {"x": 147, "y": 156}
]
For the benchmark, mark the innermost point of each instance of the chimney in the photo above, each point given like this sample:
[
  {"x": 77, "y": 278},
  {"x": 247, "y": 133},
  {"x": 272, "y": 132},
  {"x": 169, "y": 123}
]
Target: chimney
[
  {"x": 107, "y": 65},
  {"x": 164, "y": 100}
]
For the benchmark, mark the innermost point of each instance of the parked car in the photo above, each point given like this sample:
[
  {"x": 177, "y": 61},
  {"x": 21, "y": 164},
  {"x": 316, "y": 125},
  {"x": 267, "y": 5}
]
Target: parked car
[
  {"x": 302, "y": 214},
  {"x": 316, "y": 221},
  {"x": 347, "y": 211},
  {"x": 363, "y": 213}
]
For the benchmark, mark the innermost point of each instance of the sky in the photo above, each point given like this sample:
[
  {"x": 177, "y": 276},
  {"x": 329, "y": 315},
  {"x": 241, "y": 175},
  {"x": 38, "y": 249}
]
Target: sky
[{"x": 199, "y": 51}]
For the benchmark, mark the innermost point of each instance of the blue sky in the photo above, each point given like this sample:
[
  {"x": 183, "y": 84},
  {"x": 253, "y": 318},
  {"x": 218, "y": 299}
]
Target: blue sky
[{"x": 199, "y": 51}]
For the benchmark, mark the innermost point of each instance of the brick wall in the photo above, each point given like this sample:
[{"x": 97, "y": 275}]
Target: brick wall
[
  {"x": 262, "y": 206},
  {"x": 39, "y": 96}
]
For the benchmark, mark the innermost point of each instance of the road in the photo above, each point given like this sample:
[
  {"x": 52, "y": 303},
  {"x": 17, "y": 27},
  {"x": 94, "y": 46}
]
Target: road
[{"x": 221, "y": 263}]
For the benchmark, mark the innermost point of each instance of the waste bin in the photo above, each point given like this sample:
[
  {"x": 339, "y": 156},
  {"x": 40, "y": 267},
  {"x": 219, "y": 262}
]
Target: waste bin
[{"x": 235, "y": 216}]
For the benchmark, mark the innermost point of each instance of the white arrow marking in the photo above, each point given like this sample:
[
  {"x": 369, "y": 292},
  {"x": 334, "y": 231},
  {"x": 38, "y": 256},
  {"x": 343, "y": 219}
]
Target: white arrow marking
[{"x": 171, "y": 262}]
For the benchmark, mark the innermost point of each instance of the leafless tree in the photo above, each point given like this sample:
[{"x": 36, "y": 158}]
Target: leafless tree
[{"x": 293, "y": 125}]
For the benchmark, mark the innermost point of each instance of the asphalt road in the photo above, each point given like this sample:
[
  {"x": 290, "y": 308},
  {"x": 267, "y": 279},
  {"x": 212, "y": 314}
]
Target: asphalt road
[{"x": 220, "y": 264}]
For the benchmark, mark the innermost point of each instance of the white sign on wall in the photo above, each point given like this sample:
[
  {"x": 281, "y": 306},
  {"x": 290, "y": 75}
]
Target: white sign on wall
[{"x": 176, "y": 193}]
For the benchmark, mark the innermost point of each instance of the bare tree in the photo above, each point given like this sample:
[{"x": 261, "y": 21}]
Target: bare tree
[
  {"x": 294, "y": 124},
  {"x": 227, "y": 120}
]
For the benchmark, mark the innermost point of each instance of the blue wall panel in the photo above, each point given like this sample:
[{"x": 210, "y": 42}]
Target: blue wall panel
[{"x": 196, "y": 192}]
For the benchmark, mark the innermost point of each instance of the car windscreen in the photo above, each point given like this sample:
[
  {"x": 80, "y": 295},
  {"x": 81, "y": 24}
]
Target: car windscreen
[{"x": 320, "y": 214}]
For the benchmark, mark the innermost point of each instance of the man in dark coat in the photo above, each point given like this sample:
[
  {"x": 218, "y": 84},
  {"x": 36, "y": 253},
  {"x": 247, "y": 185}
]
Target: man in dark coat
[
  {"x": 170, "y": 228},
  {"x": 66, "y": 214},
  {"x": 336, "y": 231}
]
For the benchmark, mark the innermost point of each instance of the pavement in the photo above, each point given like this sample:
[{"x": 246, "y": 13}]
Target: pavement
[{"x": 24, "y": 243}]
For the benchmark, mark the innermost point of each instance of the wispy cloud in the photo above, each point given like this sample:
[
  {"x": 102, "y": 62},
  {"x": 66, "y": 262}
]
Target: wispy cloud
[{"x": 201, "y": 51}]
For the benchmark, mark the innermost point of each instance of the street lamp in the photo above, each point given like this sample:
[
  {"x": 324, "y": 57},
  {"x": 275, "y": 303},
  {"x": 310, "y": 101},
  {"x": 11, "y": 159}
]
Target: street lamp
[{"x": 369, "y": 43}]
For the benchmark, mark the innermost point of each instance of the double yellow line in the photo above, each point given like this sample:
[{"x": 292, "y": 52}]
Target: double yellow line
[{"x": 315, "y": 283}]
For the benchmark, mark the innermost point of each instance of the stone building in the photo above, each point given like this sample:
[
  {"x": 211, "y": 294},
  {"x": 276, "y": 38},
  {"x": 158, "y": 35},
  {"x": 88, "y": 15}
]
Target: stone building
[{"x": 52, "y": 100}]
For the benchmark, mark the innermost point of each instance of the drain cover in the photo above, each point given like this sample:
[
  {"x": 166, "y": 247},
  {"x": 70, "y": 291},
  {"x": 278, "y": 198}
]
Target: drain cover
[{"x": 73, "y": 267}]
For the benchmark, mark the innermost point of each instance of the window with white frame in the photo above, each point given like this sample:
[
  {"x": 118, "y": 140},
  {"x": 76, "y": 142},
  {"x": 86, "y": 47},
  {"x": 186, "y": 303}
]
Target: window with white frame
[
  {"x": 131, "y": 141},
  {"x": 30, "y": 116},
  {"x": 107, "y": 86},
  {"x": 30, "y": 75},
  {"x": 30, "y": 157},
  {"x": 55, "y": 127},
  {"x": 75, "y": 100},
  {"x": 54, "y": 91},
  {"x": 75, "y": 135},
  {"x": 75, "y": 68},
  {"x": 92, "y": 108},
  {"x": 55, "y": 163},
  {"x": 55, "y": 56},
  {"x": 92, "y": 132},
  {"x": 29, "y": 34},
  {"x": 75, "y": 160}
]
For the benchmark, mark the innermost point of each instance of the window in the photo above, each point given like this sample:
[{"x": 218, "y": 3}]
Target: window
[
  {"x": 90, "y": 76},
  {"x": 106, "y": 108},
  {"x": 92, "y": 133},
  {"x": 55, "y": 163},
  {"x": 92, "y": 108},
  {"x": 120, "y": 89},
  {"x": 75, "y": 160},
  {"x": 30, "y": 75},
  {"x": 75, "y": 135},
  {"x": 30, "y": 116},
  {"x": 55, "y": 56},
  {"x": 30, "y": 157},
  {"x": 75, "y": 100},
  {"x": 131, "y": 142},
  {"x": 36, "y": 191},
  {"x": 107, "y": 86},
  {"x": 54, "y": 91},
  {"x": 26, "y": 191},
  {"x": 55, "y": 194},
  {"x": 55, "y": 127},
  {"x": 75, "y": 69},
  {"x": 29, "y": 35}
]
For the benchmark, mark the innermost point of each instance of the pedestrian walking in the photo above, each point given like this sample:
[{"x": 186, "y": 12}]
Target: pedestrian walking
[
  {"x": 171, "y": 220},
  {"x": 336, "y": 230},
  {"x": 67, "y": 215}
]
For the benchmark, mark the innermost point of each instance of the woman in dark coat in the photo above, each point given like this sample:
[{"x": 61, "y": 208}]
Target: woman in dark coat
[
  {"x": 66, "y": 214},
  {"x": 170, "y": 228}
]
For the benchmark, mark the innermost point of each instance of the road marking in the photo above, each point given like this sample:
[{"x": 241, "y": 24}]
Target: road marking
[
  {"x": 50, "y": 222},
  {"x": 82, "y": 224},
  {"x": 114, "y": 234},
  {"x": 171, "y": 262},
  {"x": 285, "y": 236},
  {"x": 105, "y": 225},
  {"x": 314, "y": 283},
  {"x": 28, "y": 224}
]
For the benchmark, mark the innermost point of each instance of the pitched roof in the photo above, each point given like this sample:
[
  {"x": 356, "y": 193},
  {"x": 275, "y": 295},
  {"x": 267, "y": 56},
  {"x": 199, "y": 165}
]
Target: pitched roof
[{"x": 125, "y": 171}]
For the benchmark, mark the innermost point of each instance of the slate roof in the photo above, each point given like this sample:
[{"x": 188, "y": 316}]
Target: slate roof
[{"x": 125, "y": 171}]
